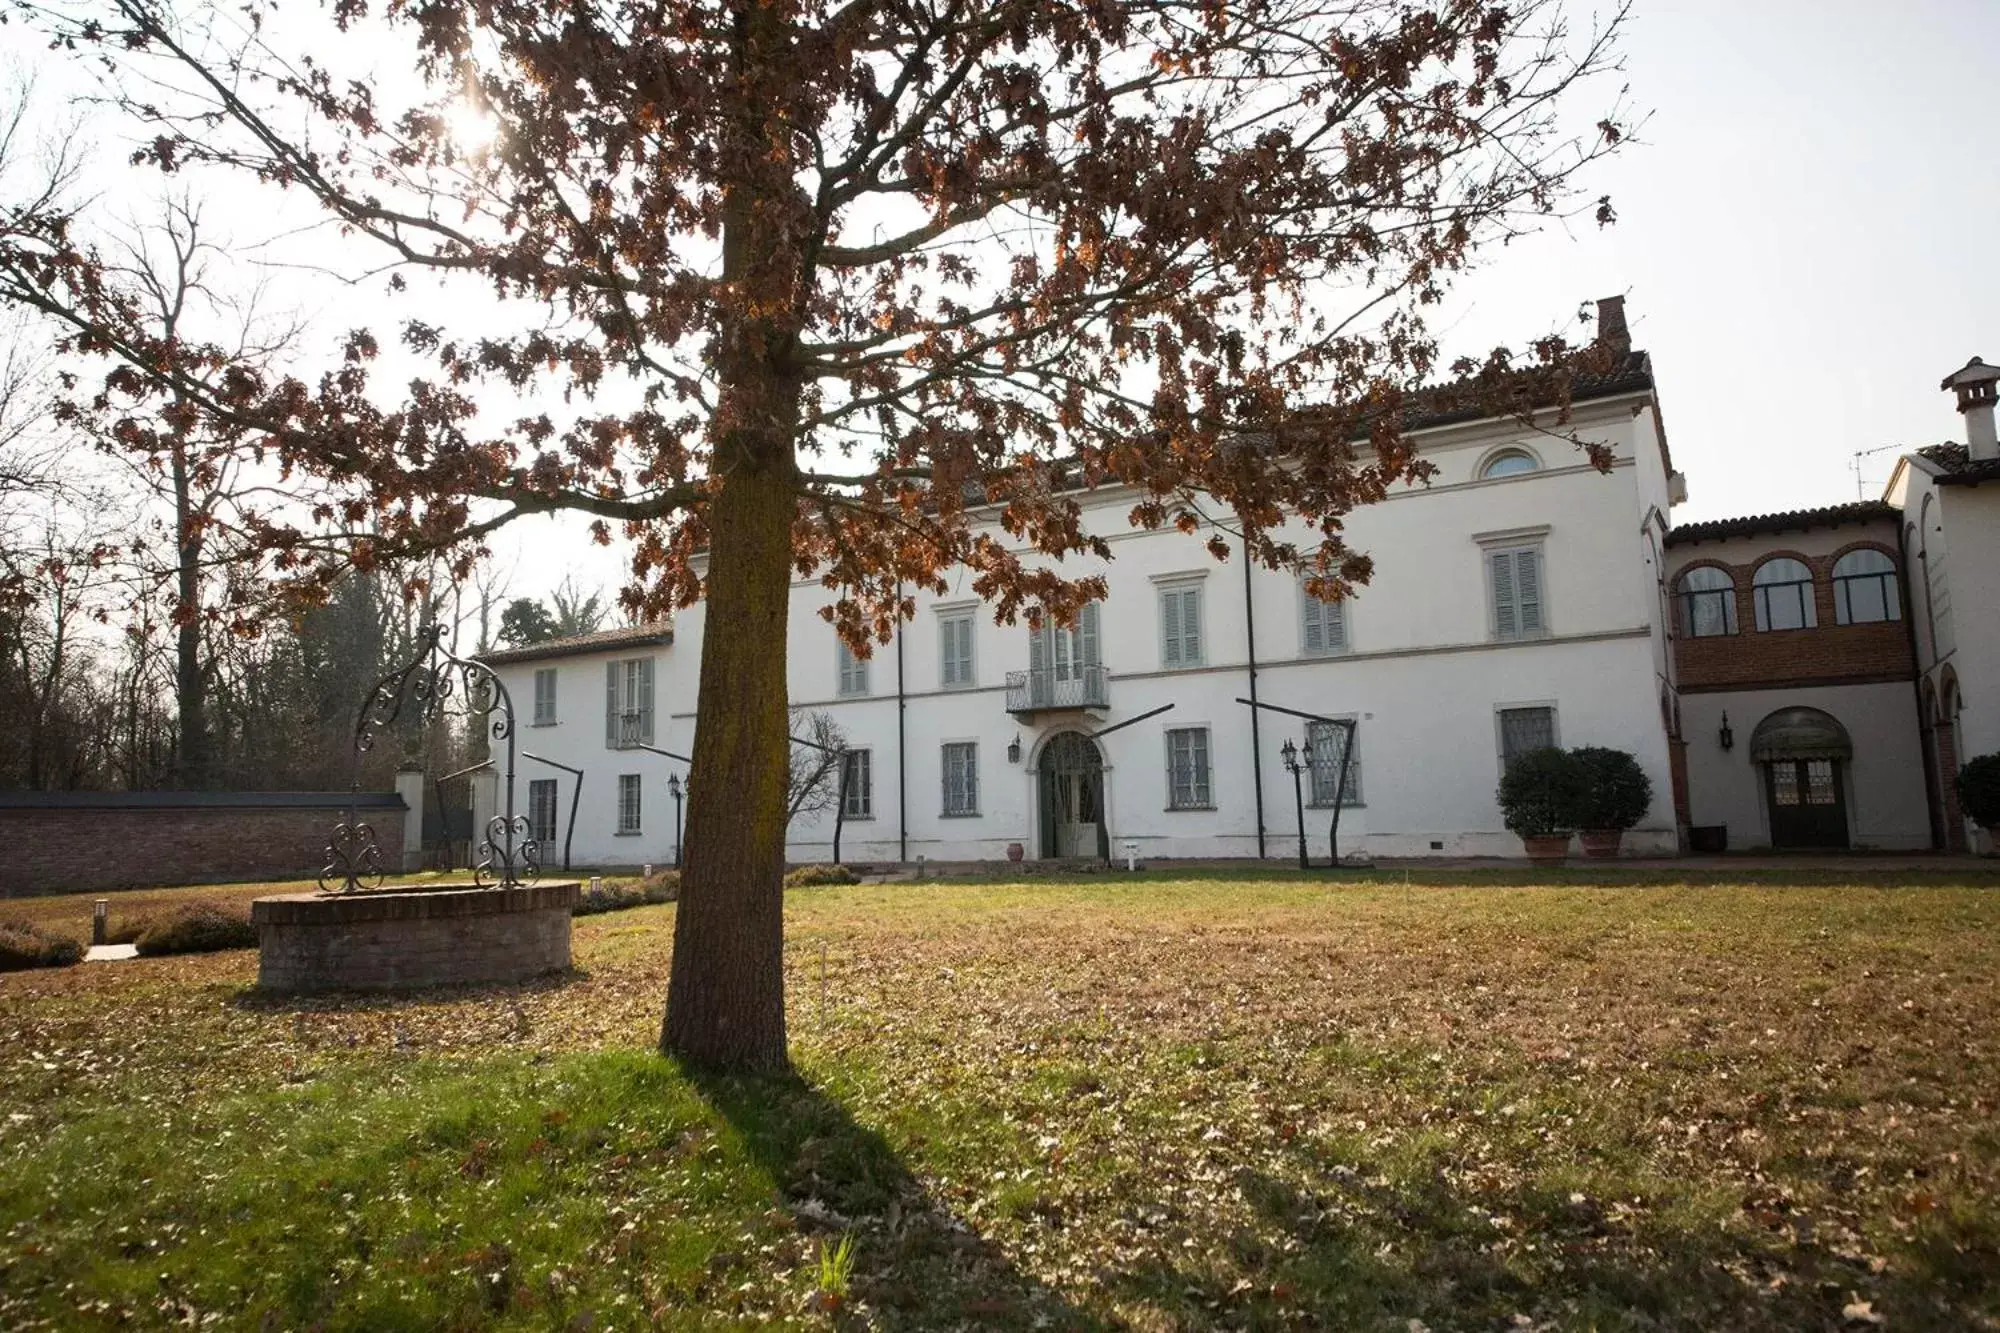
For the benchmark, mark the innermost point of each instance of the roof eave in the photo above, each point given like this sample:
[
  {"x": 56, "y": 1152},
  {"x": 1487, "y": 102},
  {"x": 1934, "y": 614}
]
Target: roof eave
[{"x": 537, "y": 652}]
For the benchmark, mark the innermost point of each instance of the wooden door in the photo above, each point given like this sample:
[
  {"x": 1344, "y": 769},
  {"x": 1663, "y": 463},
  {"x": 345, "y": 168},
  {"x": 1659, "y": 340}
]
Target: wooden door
[{"x": 1808, "y": 803}]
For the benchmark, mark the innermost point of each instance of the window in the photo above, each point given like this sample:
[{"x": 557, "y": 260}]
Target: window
[
  {"x": 853, "y": 671},
  {"x": 1864, "y": 588},
  {"x": 1525, "y": 729},
  {"x": 1187, "y": 769},
  {"x": 1784, "y": 593},
  {"x": 1067, "y": 653},
  {"x": 545, "y": 697},
  {"x": 1180, "y": 625},
  {"x": 1509, "y": 463},
  {"x": 1516, "y": 577},
  {"x": 955, "y": 650},
  {"x": 628, "y": 803},
  {"x": 1328, "y": 740},
  {"x": 1322, "y": 625},
  {"x": 628, "y": 707},
  {"x": 542, "y": 810},
  {"x": 860, "y": 786},
  {"x": 961, "y": 778},
  {"x": 1708, "y": 602}
]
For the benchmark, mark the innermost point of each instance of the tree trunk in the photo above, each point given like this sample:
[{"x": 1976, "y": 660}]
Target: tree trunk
[
  {"x": 190, "y": 683},
  {"x": 726, "y": 999}
]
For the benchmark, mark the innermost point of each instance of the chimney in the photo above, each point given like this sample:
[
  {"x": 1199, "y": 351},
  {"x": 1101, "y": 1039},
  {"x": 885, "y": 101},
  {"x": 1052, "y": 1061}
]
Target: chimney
[
  {"x": 1975, "y": 385},
  {"x": 1611, "y": 330}
]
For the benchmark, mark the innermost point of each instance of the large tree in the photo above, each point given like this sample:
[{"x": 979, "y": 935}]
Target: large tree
[{"x": 861, "y": 289}]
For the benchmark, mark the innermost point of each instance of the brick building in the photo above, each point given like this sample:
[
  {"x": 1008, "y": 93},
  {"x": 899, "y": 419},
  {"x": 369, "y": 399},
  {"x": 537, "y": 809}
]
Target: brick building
[
  {"x": 1834, "y": 667},
  {"x": 1798, "y": 718}
]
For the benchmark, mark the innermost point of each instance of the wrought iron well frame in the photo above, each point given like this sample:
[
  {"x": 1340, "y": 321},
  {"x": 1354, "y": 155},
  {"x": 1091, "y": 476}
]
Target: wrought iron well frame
[{"x": 440, "y": 684}]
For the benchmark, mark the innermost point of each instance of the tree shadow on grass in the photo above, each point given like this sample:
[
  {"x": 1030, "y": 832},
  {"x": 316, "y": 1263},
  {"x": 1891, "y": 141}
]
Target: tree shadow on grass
[
  {"x": 1364, "y": 1254},
  {"x": 258, "y": 1000},
  {"x": 916, "y": 1265}
]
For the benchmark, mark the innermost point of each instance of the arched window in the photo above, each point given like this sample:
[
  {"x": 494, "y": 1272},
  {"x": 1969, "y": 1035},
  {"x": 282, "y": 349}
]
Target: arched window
[
  {"x": 1708, "y": 602},
  {"x": 1508, "y": 463},
  {"x": 1784, "y": 594},
  {"x": 1864, "y": 588}
]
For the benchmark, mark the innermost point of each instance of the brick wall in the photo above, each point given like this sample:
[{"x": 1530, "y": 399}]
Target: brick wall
[
  {"x": 75, "y": 842},
  {"x": 309, "y": 943},
  {"x": 1829, "y": 654}
]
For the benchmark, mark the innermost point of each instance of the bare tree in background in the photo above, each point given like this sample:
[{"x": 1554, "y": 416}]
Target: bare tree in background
[
  {"x": 577, "y": 612},
  {"x": 205, "y": 566},
  {"x": 814, "y": 783}
]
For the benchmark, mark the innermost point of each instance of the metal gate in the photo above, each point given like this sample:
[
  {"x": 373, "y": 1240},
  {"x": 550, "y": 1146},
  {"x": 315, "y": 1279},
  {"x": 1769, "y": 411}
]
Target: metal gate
[{"x": 1071, "y": 782}]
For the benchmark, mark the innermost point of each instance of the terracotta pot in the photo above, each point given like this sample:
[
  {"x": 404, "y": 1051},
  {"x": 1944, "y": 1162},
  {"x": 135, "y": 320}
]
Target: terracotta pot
[
  {"x": 1551, "y": 850},
  {"x": 1015, "y": 851},
  {"x": 1601, "y": 843}
]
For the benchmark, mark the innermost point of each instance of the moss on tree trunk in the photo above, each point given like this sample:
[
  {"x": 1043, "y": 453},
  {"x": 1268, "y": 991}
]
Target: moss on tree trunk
[{"x": 726, "y": 999}]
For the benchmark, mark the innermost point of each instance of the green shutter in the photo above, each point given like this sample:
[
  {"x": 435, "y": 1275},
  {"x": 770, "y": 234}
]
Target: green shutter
[
  {"x": 1506, "y": 623},
  {"x": 611, "y": 738}
]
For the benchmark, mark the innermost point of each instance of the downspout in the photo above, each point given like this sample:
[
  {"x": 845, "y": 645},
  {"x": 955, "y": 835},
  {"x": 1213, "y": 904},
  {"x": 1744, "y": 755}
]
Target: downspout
[
  {"x": 1256, "y": 748},
  {"x": 902, "y": 764},
  {"x": 1926, "y": 754}
]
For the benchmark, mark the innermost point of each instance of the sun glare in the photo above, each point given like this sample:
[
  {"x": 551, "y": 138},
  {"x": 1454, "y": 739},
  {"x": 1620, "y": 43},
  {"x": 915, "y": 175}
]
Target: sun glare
[{"x": 472, "y": 130}]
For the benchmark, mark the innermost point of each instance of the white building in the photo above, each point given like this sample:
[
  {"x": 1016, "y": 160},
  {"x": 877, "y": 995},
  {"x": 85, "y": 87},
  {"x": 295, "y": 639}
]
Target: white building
[
  {"x": 1949, "y": 495},
  {"x": 1519, "y": 599}
]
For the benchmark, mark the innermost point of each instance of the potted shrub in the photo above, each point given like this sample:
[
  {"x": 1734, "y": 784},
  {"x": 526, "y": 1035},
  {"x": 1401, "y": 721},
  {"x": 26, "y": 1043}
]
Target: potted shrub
[
  {"x": 1540, "y": 795},
  {"x": 1616, "y": 795},
  {"x": 1979, "y": 792}
]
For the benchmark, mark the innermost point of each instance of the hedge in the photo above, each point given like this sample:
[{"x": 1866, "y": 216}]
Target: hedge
[
  {"x": 24, "y": 945},
  {"x": 204, "y": 927}
]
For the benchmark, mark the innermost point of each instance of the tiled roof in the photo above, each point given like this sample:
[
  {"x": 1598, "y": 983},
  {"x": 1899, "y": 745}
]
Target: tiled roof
[
  {"x": 1959, "y": 469},
  {"x": 1462, "y": 400},
  {"x": 631, "y": 636},
  {"x": 1792, "y": 520}
]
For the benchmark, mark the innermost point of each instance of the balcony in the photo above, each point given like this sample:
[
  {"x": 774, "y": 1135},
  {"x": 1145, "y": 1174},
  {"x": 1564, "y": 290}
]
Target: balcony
[{"x": 1051, "y": 689}]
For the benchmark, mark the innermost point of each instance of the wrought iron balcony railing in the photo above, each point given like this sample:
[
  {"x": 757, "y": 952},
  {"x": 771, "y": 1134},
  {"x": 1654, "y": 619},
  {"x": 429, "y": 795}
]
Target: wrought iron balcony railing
[
  {"x": 632, "y": 729},
  {"x": 1056, "y": 687}
]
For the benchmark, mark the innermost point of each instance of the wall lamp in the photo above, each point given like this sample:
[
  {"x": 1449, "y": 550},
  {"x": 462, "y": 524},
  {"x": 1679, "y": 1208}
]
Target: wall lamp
[
  {"x": 1014, "y": 749},
  {"x": 1726, "y": 737}
]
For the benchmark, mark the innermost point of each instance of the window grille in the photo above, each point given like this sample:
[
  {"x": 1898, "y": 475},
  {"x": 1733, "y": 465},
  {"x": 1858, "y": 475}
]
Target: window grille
[
  {"x": 961, "y": 778},
  {"x": 628, "y": 802},
  {"x": 542, "y": 810},
  {"x": 1187, "y": 768},
  {"x": 1525, "y": 729},
  {"x": 860, "y": 792},
  {"x": 1328, "y": 741}
]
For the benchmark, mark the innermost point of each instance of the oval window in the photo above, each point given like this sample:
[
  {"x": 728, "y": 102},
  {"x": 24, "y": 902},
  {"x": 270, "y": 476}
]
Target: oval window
[{"x": 1508, "y": 463}]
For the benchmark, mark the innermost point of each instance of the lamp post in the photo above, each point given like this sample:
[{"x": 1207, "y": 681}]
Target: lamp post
[
  {"x": 674, "y": 786},
  {"x": 1297, "y": 762}
]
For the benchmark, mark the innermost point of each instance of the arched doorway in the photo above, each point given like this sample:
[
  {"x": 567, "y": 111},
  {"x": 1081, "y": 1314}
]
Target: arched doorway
[
  {"x": 1804, "y": 752},
  {"x": 1070, "y": 781}
]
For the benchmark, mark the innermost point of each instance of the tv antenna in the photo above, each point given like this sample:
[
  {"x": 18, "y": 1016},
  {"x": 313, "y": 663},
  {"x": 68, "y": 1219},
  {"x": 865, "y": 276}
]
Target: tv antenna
[{"x": 1860, "y": 490}]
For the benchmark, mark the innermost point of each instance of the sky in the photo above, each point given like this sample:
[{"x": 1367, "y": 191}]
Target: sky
[
  {"x": 1802, "y": 236},
  {"x": 1805, "y": 238}
]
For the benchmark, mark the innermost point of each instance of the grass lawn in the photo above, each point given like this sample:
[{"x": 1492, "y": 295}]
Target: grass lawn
[{"x": 1155, "y": 1103}]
